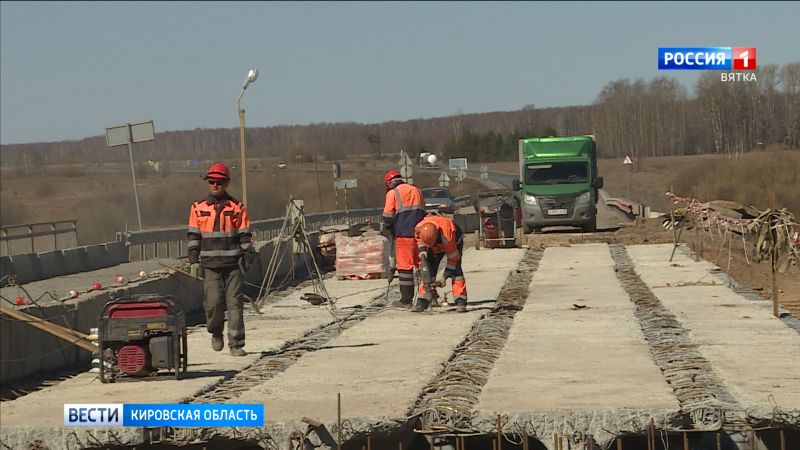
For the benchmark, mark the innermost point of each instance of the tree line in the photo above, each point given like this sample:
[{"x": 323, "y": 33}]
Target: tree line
[{"x": 638, "y": 118}]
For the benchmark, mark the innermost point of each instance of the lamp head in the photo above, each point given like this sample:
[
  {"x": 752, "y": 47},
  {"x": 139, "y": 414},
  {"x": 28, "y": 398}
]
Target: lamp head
[{"x": 252, "y": 74}]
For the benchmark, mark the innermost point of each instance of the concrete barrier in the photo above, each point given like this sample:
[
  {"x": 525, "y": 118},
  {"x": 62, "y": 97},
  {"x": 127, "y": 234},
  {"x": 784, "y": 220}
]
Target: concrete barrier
[
  {"x": 27, "y": 267},
  {"x": 98, "y": 257},
  {"x": 53, "y": 264},
  {"x": 6, "y": 269},
  {"x": 117, "y": 252},
  {"x": 76, "y": 260}
]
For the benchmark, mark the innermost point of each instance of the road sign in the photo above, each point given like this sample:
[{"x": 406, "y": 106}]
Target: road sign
[
  {"x": 461, "y": 175},
  {"x": 484, "y": 173},
  {"x": 345, "y": 184},
  {"x": 444, "y": 180},
  {"x": 406, "y": 171},
  {"x": 457, "y": 163},
  {"x": 627, "y": 160},
  {"x": 405, "y": 160}
]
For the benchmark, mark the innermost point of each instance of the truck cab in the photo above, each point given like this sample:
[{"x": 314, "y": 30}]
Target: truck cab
[{"x": 558, "y": 181}]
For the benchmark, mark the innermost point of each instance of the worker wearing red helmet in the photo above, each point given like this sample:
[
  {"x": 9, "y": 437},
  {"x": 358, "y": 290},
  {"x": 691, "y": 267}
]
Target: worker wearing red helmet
[
  {"x": 440, "y": 237},
  {"x": 403, "y": 207},
  {"x": 220, "y": 245}
]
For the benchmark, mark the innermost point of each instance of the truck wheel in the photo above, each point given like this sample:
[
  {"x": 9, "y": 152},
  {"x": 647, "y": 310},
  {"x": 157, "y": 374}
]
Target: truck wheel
[{"x": 592, "y": 226}]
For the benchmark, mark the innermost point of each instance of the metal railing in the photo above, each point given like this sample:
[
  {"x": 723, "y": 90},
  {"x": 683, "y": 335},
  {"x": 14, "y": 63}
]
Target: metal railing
[
  {"x": 171, "y": 242},
  {"x": 38, "y": 237}
]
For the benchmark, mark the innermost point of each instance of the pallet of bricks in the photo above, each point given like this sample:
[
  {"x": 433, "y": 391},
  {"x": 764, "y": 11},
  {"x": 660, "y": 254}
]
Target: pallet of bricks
[{"x": 361, "y": 257}]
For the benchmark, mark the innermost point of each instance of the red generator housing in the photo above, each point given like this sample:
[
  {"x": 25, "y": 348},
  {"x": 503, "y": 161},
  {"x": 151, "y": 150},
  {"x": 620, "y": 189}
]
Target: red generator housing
[{"x": 140, "y": 334}]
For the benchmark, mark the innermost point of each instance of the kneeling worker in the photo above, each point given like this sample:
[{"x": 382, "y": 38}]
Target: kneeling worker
[{"x": 437, "y": 237}]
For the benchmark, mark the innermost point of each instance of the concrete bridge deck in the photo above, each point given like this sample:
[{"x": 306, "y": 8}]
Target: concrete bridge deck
[{"x": 577, "y": 360}]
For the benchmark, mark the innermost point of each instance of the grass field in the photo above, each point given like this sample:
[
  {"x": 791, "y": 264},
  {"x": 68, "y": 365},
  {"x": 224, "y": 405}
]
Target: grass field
[{"x": 101, "y": 197}]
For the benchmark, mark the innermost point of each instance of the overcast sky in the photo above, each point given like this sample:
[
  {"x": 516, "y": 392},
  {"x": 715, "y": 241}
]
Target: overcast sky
[{"x": 69, "y": 69}]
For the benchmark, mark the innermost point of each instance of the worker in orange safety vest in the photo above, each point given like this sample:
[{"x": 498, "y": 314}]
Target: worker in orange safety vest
[
  {"x": 439, "y": 238},
  {"x": 220, "y": 246},
  {"x": 403, "y": 207}
]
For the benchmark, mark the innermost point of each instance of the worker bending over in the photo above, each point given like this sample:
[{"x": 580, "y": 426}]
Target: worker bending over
[{"x": 439, "y": 237}]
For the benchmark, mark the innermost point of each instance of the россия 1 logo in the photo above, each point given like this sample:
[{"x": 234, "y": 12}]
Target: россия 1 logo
[{"x": 737, "y": 63}]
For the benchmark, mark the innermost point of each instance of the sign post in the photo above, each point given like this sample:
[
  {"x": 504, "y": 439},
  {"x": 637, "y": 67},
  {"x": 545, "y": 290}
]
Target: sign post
[
  {"x": 129, "y": 134},
  {"x": 628, "y": 162},
  {"x": 345, "y": 184},
  {"x": 405, "y": 167}
]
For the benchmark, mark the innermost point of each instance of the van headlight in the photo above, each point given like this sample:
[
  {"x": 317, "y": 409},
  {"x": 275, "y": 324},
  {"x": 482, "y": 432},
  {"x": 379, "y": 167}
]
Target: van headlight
[
  {"x": 530, "y": 199},
  {"x": 584, "y": 198}
]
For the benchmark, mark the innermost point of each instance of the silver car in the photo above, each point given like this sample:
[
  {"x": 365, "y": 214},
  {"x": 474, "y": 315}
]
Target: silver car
[{"x": 439, "y": 199}]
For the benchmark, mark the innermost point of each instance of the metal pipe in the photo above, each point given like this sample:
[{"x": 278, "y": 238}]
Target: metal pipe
[
  {"x": 369, "y": 442},
  {"x": 338, "y": 420},
  {"x": 499, "y": 441},
  {"x": 752, "y": 440},
  {"x": 525, "y": 441},
  {"x": 719, "y": 441},
  {"x": 619, "y": 443},
  {"x": 685, "y": 441},
  {"x": 783, "y": 440}
]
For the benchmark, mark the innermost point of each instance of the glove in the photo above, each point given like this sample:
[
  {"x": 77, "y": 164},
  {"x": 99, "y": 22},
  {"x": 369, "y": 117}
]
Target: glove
[
  {"x": 441, "y": 282},
  {"x": 196, "y": 270}
]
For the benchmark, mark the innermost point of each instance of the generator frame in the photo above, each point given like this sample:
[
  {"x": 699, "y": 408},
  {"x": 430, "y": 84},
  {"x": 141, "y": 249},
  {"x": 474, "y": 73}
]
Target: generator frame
[{"x": 138, "y": 329}]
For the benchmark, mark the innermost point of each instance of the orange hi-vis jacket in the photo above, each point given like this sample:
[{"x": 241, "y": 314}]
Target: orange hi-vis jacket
[
  {"x": 449, "y": 235},
  {"x": 219, "y": 232},
  {"x": 403, "y": 208}
]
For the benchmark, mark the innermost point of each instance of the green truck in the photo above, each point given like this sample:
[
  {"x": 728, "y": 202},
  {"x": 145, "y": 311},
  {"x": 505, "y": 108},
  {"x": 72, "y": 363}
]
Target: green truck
[{"x": 558, "y": 182}]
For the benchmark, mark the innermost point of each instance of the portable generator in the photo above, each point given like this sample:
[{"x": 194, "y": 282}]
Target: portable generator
[{"x": 140, "y": 334}]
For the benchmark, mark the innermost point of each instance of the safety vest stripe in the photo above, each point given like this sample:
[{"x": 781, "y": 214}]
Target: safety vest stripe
[
  {"x": 450, "y": 266},
  {"x": 459, "y": 278},
  {"x": 245, "y": 245},
  {"x": 245, "y": 230},
  {"x": 405, "y": 283},
  {"x": 194, "y": 230},
  {"x": 219, "y": 234},
  {"x": 453, "y": 254},
  {"x": 388, "y": 215},
  {"x": 209, "y": 253},
  {"x": 193, "y": 243}
]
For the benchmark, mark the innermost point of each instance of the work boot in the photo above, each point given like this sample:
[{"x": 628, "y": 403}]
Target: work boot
[
  {"x": 238, "y": 351},
  {"x": 422, "y": 305},
  {"x": 217, "y": 342},
  {"x": 461, "y": 305},
  {"x": 400, "y": 304}
]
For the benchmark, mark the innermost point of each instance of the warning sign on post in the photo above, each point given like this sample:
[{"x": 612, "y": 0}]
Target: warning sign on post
[{"x": 627, "y": 160}]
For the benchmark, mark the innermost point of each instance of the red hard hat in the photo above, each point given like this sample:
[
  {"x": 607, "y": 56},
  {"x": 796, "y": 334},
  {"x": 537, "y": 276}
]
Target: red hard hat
[
  {"x": 427, "y": 233},
  {"x": 218, "y": 171},
  {"x": 389, "y": 176}
]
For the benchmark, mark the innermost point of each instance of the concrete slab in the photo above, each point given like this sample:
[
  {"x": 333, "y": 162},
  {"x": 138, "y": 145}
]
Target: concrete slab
[
  {"x": 381, "y": 365},
  {"x": 27, "y": 267},
  {"x": 755, "y": 354},
  {"x": 53, "y": 264},
  {"x": 76, "y": 259},
  {"x": 576, "y": 355}
]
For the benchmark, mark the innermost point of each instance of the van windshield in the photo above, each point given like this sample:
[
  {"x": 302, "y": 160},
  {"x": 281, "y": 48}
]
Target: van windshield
[{"x": 557, "y": 173}]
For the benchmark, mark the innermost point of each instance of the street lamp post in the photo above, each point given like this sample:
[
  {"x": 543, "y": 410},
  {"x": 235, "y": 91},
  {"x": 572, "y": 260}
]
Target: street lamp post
[{"x": 252, "y": 74}]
